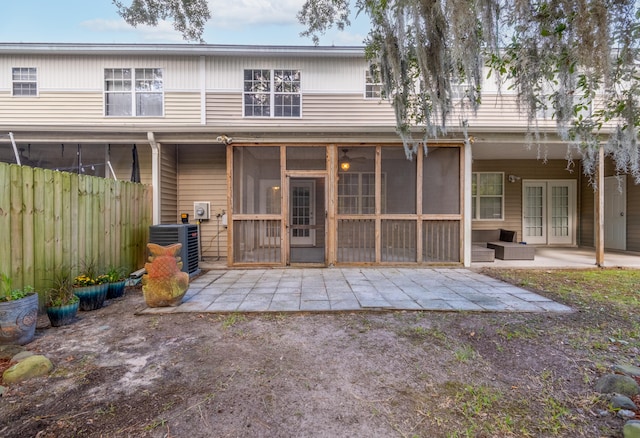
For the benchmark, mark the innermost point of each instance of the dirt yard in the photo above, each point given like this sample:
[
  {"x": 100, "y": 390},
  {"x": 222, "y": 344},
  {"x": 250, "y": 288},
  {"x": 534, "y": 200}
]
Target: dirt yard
[{"x": 364, "y": 374}]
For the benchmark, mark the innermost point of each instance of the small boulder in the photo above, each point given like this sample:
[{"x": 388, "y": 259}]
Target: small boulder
[
  {"x": 631, "y": 429},
  {"x": 21, "y": 356},
  {"x": 619, "y": 401},
  {"x": 627, "y": 370},
  {"x": 626, "y": 414},
  {"x": 616, "y": 383},
  {"x": 33, "y": 366}
]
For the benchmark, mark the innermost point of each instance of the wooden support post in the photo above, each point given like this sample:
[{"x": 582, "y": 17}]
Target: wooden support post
[{"x": 600, "y": 209}]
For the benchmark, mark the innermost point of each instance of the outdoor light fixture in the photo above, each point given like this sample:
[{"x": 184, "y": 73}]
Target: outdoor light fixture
[{"x": 345, "y": 163}]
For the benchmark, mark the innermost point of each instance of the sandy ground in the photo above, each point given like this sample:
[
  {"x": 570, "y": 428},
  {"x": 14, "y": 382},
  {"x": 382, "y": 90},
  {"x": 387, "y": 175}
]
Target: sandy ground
[{"x": 364, "y": 374}]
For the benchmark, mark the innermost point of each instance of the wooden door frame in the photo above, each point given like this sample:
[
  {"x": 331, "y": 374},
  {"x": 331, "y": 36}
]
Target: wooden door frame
[{"x": 286, "y": 212}]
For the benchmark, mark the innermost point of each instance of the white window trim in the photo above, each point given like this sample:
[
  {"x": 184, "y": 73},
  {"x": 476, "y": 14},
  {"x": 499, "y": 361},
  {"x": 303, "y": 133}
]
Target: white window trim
[
  {"x": 272, "y": 93},
  {"x": 360, "y": 196},
  {"x": 367, "y": 76},
  {"x": 476, "y": 214},
  {"x": 133, "y": 93},
  {"x": 21, "y": 81}
]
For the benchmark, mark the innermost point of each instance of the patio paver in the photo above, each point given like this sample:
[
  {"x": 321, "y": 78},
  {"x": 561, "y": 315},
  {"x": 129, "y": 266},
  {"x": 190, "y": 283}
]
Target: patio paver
[{"x": 353, "y": 289}]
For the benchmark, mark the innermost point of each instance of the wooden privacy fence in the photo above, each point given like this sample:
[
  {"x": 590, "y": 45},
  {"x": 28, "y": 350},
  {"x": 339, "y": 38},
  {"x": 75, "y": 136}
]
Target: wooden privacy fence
[{"x": 51, "y": 219}]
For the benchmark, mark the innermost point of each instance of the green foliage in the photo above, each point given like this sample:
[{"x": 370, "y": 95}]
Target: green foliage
[
  {"x": 60, "y": 293},
  {"x": 115, "y": 274},
  {"x": 577, "y": 61},
  {"x": 8, "y": 293},
  {"x": 189, "y": 16}
]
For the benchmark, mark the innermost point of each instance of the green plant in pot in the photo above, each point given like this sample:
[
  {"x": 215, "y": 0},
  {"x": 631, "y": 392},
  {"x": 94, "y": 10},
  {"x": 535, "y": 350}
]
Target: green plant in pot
[
  {"x": 90, "y": 287},
  {"x": 62, "y": 302},
  {"x": 117, "y": 279},
  {"x": 18, "y": 312}
]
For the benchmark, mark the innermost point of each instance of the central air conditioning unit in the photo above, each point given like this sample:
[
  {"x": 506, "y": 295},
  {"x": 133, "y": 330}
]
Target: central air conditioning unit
[{"x": 187, "y": 235}]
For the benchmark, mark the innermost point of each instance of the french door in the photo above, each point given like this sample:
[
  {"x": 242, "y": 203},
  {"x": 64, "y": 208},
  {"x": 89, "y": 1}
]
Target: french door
[{"x": 549, "y": 212}]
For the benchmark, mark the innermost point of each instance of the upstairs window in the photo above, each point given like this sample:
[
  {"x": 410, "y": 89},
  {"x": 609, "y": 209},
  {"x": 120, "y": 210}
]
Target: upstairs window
[
  {"x": 487, "y": 191},
  {"x": 272, "y": 93},
  {"x": 25, "y": 81},
  {"x": 373, "y": 86},
  {"x": 133, "y": 92}
]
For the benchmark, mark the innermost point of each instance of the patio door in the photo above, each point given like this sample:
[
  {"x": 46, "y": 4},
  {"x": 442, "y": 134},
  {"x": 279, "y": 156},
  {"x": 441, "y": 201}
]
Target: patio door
[
  {"x": 615, "y": 212},
  {"x": 307, "y": 220},
  {"x": 548, "y": 212}
]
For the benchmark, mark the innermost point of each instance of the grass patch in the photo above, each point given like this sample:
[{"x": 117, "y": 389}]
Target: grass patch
[
  {"x": 421, "y": 334},
  {"x": 465, "y": 353},
  {"x": 233, "y": 319},
  {"x": 617, "y": 287}
]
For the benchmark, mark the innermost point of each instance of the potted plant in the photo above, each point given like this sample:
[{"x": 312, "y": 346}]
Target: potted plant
[
  {"x": 90, "y": 287},
  {"x": 62, "y": 303},
  {"x": 117, "y": 278},
  {"x": 18, "y": 312}
]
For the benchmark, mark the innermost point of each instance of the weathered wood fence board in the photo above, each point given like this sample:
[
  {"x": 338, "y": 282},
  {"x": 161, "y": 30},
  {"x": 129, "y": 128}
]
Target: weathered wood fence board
[{"x": 51, "y": 219}]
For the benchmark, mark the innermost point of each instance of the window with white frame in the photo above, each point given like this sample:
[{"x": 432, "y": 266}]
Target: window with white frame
[
  {"x": 135, "y": 92},
  {"x": 25, "y": 81},
  {"x": 272, "y": 93},
  {"x": 373, "y": 86},
  {"x": 487, "y": 191},
  {"x": 357, "y": 193}
]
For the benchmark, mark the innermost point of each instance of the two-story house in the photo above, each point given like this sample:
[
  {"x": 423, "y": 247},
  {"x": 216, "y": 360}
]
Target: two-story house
[{"x": 296, "y": 153}]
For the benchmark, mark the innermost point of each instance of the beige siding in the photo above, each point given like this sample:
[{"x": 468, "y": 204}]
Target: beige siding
[
  {"x": 526, "y": 170},
  {"x": 586, "y": 214},
  {"x": 168, "y": 184},
  {"x": 202, "y": 177},
  {"x": 317, "y": 110},
  {"x": 87, "y": 109}
]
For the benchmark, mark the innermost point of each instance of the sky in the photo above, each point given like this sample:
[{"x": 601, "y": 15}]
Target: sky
[{"x": 262, "y": 22}]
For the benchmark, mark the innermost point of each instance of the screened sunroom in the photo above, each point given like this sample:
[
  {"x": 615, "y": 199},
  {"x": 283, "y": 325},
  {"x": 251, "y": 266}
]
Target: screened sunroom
[{"x": 344, "y": 205}]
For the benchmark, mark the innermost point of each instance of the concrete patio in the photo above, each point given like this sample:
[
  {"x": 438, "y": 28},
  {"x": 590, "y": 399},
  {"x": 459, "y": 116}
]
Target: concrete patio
[
  {"x": 354, "y": 289},
  {"x": 222, "y": 290}
]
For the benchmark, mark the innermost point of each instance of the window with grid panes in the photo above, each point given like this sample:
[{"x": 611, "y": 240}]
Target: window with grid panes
[
  {"x": 133, "y": 92},
  {"x": 373, "y": 87},
  {"x": 272, "y": 93},
  {"x": 357, "y": 193},
  {"x": 487, "y": 195},
  {"x": 24, "y": 81}
]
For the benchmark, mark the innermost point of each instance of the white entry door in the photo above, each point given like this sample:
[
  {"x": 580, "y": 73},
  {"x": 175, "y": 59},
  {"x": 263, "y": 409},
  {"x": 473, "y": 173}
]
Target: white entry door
[
  {"x": 615, "y": 213},
  {"x": 302, "y": 214},
  {"x": 548, "y": 212}
]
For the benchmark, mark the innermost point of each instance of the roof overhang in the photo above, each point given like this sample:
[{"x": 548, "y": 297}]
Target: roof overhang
[{"x": 179, "y": 50}]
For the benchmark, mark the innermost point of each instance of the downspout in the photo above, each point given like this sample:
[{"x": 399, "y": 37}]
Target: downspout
[
  {"x": 15, "y": 149},
  {"x": 466, "y": 218},
  {"x": 155, "y": 177}
]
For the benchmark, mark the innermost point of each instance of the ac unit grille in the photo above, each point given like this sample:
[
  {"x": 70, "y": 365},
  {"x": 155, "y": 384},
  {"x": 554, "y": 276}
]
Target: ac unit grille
[{"x": 185, "y": 234}]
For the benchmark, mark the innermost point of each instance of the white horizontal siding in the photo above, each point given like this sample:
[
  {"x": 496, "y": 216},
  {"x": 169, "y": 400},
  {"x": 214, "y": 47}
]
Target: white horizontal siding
[
  {"x": 317, "y": 74},
  {"x": 86, "y": 73}
]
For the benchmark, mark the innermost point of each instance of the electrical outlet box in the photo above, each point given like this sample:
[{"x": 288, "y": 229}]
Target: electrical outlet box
[{"x": 201, "y": 210}]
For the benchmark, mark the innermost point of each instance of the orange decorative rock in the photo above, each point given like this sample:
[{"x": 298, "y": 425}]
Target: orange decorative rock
[{"x": 164, "y": 284}]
